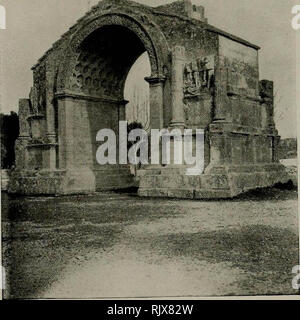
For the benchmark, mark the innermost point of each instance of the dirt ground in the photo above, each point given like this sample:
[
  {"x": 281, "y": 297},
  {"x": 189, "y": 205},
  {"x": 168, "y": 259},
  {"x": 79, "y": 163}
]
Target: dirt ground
[{"x": 119, "y": 245}]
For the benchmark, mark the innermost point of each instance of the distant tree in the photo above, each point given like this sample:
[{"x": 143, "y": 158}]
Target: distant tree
[
  {"x": 134, "y": 125},
  {"x": 9, "y": 134},
  {"x": 139, "y": 107},
  {"x": 131, "y": 126}
]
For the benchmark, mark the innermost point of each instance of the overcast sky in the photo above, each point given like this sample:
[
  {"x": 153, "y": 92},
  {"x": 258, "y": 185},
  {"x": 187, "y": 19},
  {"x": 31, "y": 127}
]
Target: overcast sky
[{"x": 33, "y": 25}]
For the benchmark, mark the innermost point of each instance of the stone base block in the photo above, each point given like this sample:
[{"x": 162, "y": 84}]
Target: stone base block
[
  {"x": 61, "y": 182},
  {"x": 228, "y": 183},
  {"x": 114, "y": 178},
  {"x": 78, "y": 181},
  {"x": 36, "y": 182}
]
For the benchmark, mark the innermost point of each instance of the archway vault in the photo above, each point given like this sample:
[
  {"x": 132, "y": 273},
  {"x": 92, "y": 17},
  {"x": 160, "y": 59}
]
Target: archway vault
[{"x": 149, "y": 36}]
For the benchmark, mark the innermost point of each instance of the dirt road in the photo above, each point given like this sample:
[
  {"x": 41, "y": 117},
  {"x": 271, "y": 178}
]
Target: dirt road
[{"x": 119, "y": 245}]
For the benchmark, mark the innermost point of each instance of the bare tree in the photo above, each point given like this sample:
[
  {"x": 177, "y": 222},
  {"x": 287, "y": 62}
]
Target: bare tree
[{"x": 138, "y": 109}]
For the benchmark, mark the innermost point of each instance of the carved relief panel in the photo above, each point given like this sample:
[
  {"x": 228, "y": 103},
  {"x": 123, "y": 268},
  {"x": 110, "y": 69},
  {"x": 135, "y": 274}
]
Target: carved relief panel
[
  {"x": 198, "y": 85},
  {"x": 199, "y": 76}
]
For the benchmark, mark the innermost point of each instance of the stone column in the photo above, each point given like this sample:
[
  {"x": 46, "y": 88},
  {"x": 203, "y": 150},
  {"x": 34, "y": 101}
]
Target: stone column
[
  {"x": 178, "y": 61},
  {"x": 24, "y": 134},
  {"x": 65, "y": 132},
  {"x": 24, "y": 111},
  {"x": 121, "y": 138},
  {"x": 122, "y": 111},
  {"x": 156, "y": 86},
  {"x": 50, "y": 117},
  {"x": 220, "y": 93},
  {"x": 50, "y": 114},
  {"x": 266, "y": 92}
]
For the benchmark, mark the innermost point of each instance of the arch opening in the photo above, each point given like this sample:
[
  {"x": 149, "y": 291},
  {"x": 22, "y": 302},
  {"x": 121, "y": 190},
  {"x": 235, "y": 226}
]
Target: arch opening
[
  {"x": 97, "y": 82},
  {"x": 137, "y": 92},
  {"x": 104, "y": 60}
]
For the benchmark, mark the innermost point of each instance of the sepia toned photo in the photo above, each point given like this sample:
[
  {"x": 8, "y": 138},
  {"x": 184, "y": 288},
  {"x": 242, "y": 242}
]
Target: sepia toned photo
[{"x": 149, "y": 149}]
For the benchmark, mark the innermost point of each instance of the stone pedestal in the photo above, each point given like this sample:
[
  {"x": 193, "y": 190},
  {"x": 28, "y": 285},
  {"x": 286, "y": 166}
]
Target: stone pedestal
[
  {"x": 51, "y": 153},
  {"x": 21, "y": 152},
  {"x": 156, "y": 85},
  {"x": 37, "y": 124}
]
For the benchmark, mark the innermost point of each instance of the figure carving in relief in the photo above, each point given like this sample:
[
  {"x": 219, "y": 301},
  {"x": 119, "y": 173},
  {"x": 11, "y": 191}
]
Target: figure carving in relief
[
  {"x": 190, "y": 86},
  {"x": 198, "y": 76}
]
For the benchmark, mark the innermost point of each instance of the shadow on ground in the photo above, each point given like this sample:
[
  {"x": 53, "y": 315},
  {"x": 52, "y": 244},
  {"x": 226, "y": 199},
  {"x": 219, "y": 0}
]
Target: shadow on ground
[
  {"x": 42, "y": 235},
  {"x": 267, "y": 254}
]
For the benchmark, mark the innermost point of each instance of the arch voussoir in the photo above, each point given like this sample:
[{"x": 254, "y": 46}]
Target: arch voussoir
[{"x": 156, "y": 50}]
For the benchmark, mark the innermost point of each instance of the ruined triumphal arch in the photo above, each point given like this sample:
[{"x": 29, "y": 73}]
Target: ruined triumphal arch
[{"x": 201, "y": 78}]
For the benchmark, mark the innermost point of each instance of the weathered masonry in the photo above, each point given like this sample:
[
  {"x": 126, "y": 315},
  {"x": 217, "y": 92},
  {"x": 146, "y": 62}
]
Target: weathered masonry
[{"x": 202, "y": 77}]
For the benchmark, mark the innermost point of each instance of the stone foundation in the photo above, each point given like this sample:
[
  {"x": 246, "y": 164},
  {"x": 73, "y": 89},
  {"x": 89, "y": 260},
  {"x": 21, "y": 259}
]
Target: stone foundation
[
  {"x": 174, "y": 183},
  {"x": 62, "y": 182}
]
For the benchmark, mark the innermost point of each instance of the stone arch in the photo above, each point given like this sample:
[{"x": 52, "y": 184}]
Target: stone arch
[
  {"x": 90, "y": 91},
  {"x": 146, "y": 31}
]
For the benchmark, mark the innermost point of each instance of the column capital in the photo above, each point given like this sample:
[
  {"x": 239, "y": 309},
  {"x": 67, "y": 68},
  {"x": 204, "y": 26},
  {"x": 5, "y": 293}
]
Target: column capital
[
  {"x": 51, "y": 137},
  {"x": 178, "y": 52}
]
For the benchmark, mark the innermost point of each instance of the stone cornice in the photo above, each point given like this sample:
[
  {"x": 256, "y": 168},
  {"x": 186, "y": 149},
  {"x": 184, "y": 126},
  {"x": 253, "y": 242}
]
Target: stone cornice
[
  {"x": 155, "y": 79},
  {"x": 80, "y": 96},
  {"x": 41, "y": 145},
  {"x": 35, "y": 116},
  {"x": 231, "y": 93},
  {"x": 226, "y": 127}
]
